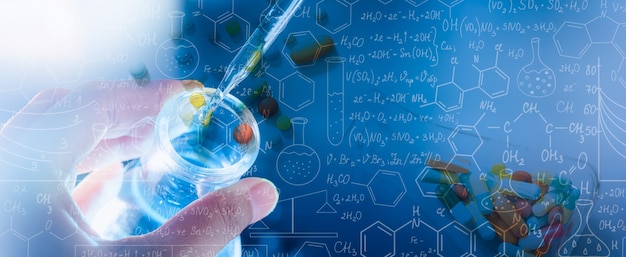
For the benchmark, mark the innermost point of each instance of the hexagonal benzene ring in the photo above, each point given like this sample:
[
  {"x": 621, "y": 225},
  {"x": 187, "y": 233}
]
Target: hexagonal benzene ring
[
  {"x": 385, "y": 1},
  {"x": 454, "y": 234},
  {"x": 386, "y": 188},
  {"x": 377, "y": 240},
  {"x": 305, "y": 43},
  {"x": 450, "y": 3},
  {"x": 136, "y": 130},
  {"x": 297, "y": 91},
  {"x": 568, "y": 47},
  {"x": 494, "y": 82},
  {"x": 416, "y": 234},
  {"x": 215, "y": 145},
  {"x": 416, "y": 3},
  {"x": 449, "y": 96},
  {"x": 619, "y": 39},
  {"x": 427, "y": 189},
  {"x": 598, "y": 28},
  {"x": 465, "y": 140},
  {"x": 313, "y": 249},
  {"x": 231, "y": 32},
  {"x": 333, "y": 15}
]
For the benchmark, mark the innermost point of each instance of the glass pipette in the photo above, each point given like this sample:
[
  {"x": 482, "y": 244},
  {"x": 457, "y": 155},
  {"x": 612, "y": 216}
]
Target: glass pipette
[{"x": 251, "y": 52}]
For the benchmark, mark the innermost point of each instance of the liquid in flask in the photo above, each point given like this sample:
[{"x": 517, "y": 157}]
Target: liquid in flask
[
  {"x": 190, "y": 159},
  {"x": 584, "y": 242}
]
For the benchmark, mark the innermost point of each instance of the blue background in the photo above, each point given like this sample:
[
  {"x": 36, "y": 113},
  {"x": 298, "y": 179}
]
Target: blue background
[{"x": 419, "y": 79}]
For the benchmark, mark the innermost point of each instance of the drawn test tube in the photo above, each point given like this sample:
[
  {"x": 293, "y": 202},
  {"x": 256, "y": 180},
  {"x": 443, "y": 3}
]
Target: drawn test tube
[{"x": 335, "y": 99}]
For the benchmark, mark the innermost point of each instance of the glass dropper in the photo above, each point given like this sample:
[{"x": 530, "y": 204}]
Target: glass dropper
[{"x": 251, "y": 52}]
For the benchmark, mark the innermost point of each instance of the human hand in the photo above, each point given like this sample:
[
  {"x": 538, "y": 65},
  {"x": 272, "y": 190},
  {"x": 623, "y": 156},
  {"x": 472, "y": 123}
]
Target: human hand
[{"x": 92, "y": 129}]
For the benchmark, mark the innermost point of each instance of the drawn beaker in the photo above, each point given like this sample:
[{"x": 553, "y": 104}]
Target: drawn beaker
[
  {"x": 584, "y": 242},
  {"x": 298, "y": 164},
  {"x": 177, "y": 58},
  {"x": 536, "y": 79}
]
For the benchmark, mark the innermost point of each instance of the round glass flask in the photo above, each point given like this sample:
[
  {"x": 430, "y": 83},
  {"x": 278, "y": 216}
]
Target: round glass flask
[{"x": 194, "y": 155}]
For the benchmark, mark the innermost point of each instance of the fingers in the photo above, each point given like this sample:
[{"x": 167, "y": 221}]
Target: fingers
[
  {"x": 69, "y": 127},
  {"x": 97, "y": 187},
  {"x": 212, "y": 221}
]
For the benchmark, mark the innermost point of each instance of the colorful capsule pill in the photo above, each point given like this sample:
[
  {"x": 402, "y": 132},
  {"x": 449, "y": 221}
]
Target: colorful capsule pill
[
  {"x": 547, "y": 202},
  {"x": 485, "y": 230},
  {"x": 310, "y": 50},
  {"x": 454, "y": 204},
  {"x": 439, "y": 177},
  {"x": 540, "y": 238},
  {"x": 523, "y": 207},
  {"x": 480, "y": 191},
  {"x": 502, "y": 229},
  {"x": 522, "y": 189},
  {"x": 499, "y": 170},
  {"x": 570, "y": 204},
  {"x": 522, "y": 175},
  {"x": 450, "y": 167},
  {"x": 506, "y": 210},
  {"x": 534, "y": 223},
  {"x": 461, "y": 192}
]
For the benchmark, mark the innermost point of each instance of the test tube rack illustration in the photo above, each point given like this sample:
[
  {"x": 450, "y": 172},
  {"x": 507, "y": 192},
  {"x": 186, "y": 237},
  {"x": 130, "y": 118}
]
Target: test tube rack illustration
[
  {"x": 298, "y": 164},
  {"x": 335, "y": 100},
  {"x": 177, "y": 58}
]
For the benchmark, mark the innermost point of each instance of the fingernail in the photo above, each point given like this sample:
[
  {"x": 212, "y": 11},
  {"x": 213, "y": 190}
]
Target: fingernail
[
  {"x": 263, "y": 197},
  {"x": 192, "y": 84}
]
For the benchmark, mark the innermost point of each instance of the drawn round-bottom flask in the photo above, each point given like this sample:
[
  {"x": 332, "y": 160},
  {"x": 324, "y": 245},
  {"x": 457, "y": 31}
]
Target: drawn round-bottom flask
[
  {"x": 298, "y": 164},
  {"x": 584, "y": 242},
  {"x": 177, "y": 58},
  {"x": 536, "y": 79}
]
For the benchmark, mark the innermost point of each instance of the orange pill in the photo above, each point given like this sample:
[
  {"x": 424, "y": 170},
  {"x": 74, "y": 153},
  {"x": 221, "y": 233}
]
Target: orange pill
[{"x": 243, "y": 133}]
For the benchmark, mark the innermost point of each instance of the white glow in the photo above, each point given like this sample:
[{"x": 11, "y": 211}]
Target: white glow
[
  {"x": 36, "y": 29},
  {"x": 58, "y": 30}
]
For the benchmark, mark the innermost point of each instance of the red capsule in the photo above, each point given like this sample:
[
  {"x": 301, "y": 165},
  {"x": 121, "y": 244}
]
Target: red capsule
[
  {"x": 521, "y": 175},
  {"x": 461, "y": 192}
]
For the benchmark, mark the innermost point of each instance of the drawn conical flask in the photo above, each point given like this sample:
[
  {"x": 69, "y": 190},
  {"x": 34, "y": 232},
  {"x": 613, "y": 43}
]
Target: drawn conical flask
[
  {"x": 584, "y": 242},
  {"x": 177, "y": 58},
  {"x": 536, "y": 79},
  {"x": 298, "y": 164}
]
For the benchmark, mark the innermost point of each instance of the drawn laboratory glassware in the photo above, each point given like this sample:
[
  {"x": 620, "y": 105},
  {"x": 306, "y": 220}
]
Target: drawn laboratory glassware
[
  {"x": 536, "y": 79},
  {"x": 334, "y": 100},
  {"x": 584, "y": 242},
  {"x": 177, "y": 58},
  {"x": 190, "y": 159},
  {"x": 298, "y": 164}
]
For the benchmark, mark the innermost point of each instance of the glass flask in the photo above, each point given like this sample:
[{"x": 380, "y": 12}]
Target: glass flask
[
  {"x": 192, "y": 157},
  {"x": 536, "y": 79},
  {"x": 584, "y": 242},
  {"x": 177, "y": 58},
  {"x": 298, "y": 164}
]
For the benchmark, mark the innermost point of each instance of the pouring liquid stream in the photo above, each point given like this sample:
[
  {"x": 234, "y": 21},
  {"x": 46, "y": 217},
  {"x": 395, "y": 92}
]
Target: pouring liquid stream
[{"x": 250, "y": 54}]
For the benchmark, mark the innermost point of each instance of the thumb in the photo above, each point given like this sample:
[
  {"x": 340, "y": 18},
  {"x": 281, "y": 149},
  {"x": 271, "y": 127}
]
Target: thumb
[{"x": 209, "y": 223}]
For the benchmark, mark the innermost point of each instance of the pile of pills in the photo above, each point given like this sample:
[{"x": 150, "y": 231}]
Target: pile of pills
[{"x": 529, "y": 213}]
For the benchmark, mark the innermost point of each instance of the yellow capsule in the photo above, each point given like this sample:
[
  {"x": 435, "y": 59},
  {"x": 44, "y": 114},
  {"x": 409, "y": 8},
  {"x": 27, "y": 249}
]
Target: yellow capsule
[
  {"x": 207, "y": 118},
  {"x": 256, "y": 56},
  {"x": 197, "y": 100}
]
